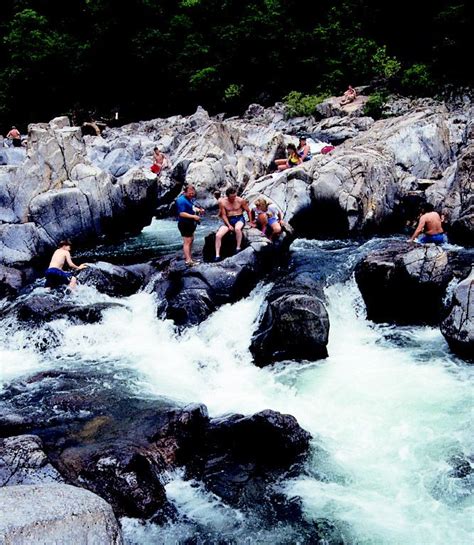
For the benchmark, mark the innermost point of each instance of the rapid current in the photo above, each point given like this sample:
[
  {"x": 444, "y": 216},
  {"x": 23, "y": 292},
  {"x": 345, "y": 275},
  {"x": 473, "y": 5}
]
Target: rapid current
[{"x": 389, "y": 409}]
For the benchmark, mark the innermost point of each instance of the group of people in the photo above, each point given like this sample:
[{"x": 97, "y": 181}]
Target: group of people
[
  {"x": 295, "y": 155},
  {"x": 232, "y": 209}
]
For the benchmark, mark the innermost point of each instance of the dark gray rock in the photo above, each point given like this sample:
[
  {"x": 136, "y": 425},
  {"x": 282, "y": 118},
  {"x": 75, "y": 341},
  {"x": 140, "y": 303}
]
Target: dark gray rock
[
  {"x": 243, "y": 455},
  {"x": 38, "y": 308},
  {"x": 458, "y": 326},
  {"x": 295, "y": 324},
  {"x": 11, "y": 281},
  {"x": 115, "y": 280},
  {"x": 404, "y": 283}
]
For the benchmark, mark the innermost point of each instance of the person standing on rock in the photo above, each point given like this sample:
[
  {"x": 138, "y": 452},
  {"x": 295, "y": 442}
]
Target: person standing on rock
[
  {"x": 431, "y": 225},
  {"x": 55, "y": 275},
  {"x": 160, "y": 161},
  {"x": 188, "y": 218},
  {"x": 15, "y": 137},
  {"x": 231, "y": 210}
]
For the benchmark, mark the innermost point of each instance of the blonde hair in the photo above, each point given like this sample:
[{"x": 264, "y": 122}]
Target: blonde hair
[{"x": 261, "y": 203}]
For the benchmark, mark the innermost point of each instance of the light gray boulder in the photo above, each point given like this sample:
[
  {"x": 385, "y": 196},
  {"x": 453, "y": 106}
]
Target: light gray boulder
[
  {"x": 11, "y": 281},
  {"x": 23, "y": 461},
  {"x": 20, "y": 243},
  {"x": 12, "y": 156},
  {"x": 458, "y": 326},
  {"x": 118, "y": 162},
  {"x": 55, "y": 513}
]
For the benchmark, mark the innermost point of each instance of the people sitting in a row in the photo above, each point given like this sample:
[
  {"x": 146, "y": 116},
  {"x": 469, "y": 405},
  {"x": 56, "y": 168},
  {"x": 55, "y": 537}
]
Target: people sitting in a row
[{"x": 292, "y": 160}]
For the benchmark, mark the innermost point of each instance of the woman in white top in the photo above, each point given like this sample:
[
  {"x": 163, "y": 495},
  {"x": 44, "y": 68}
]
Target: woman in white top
[{"x": 266, "y": 216}]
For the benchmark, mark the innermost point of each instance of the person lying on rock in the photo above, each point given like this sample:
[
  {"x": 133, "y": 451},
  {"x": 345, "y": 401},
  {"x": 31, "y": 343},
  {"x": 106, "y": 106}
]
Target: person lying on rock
[
  {"x": 231, "y": 210},
  {"x": 349, "y": 96},
  {"x": 55, "y": 275},
  {"x": 293, "y": 159},
  {"x": 188, "y": 218},
  {"x": 265, "y": 216},
  {"x": 430, "y": 227},
  {"x": 160, "y": 161}
]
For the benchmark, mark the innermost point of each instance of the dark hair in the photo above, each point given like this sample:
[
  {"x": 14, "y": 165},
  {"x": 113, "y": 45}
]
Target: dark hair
[
  {"x": 65, "y": 242},
  {"x": 292, "y": 147},
  {"x": 230, "y": 191},
  {"x": 217, "y": 194},
  {"x": 156, "y": 148},
  {"x": 427, "y": 207},
  {"x": 186, "y": 187}
]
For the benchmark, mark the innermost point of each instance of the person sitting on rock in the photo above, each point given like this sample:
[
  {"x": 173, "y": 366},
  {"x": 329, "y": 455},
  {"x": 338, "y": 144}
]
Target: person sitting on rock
[
  {"x": 15, "y": 137},
  {"x": 55, "y": 275},
  {"x": 188, "y": 218},
  {"x": 293, "y": 159},
  {"x": 304, "y": 150},
  {"x": 160, "y": 161},
  {"x": 431, "y": 225},
  {"x": 231, "y": 210},
  {"x": 266, "y": 215},
  {"x": 349, "y": 96}
]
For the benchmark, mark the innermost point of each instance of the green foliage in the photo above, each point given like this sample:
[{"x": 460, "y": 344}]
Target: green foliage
[
  {"x": 203, "y": 79},
  {"x": 383, "y": 64},
  {"x": 297, "y": 104},
  {"x": 417, "y": 79},
  {"x": 232, "y": 92},
  {"x": 152, "y": 58},
  {"x": 375, "y": 104}
]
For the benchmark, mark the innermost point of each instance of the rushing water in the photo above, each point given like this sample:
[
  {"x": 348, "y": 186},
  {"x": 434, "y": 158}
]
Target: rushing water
[{"x": 389, "y": 410}]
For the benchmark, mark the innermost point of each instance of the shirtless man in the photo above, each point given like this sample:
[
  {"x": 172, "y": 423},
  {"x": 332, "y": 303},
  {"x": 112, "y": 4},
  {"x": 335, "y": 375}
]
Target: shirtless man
[
  {"x": 231, "y": 210},
  {"x": 15, "y": 137},
  {"x": 431, "y": 224},
  {"x": 55, "y": 276},
  {"x": 160, "y": 161}
]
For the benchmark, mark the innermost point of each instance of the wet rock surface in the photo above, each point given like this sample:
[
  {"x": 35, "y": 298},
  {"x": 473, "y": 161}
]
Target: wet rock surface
[
  {"x": 121, "y": 447},
  {"x": 458, "y": 325}
]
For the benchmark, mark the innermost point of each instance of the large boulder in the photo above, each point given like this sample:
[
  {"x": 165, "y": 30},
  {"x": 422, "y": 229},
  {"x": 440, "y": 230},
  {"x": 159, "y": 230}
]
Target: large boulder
[
  {"x": 57, "y": 193},
  {"x": 332, "y": 107},
  {"x": 453, "y": 195},
  {"x": 241, "y": 456},
  {"x": 404, "y": 283},
  {"x": 295, "y": 324},
  {"x": 115, "y": 280},
  {"x": 458, "y": 326},
  {"x": 55, "y": 513}
]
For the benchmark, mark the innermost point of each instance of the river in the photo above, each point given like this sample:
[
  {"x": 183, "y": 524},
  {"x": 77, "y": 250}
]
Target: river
[{"x": 390, "y": 409}]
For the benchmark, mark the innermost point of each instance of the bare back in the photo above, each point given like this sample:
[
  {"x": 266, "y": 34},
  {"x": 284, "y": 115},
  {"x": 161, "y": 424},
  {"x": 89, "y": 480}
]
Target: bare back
[
  {"x": 432, "y": 223},
  {"x": 60, "y": 257}
]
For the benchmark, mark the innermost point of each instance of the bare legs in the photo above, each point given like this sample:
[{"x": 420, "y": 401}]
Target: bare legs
[
  {"x": 187, "y": 248},
  {"x": 223, "y": 230}
]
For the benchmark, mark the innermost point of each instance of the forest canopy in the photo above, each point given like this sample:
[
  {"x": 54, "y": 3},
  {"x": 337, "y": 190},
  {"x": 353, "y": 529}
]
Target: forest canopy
[{"x": 152, "y": 58}]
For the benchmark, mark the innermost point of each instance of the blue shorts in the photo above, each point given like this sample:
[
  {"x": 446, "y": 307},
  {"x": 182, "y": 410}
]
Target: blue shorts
[
  {"x": 272, "y": 220},
  {"x": 57, "y": 277},
  {"x": 433, "y": 239},
  {"x": 233, "y": 220}
]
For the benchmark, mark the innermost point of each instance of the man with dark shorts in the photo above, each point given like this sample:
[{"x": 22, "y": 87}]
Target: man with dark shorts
[
  {"x": 188, "y": 218},
  {"x": 55, "y": 275},
  {"x": 231, "y": 210},
  {"x": 430, "y": 227}
]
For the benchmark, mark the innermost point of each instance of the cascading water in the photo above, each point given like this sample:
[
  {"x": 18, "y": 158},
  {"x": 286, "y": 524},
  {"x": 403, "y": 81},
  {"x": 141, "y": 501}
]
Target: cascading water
[{"x": 389, "y": 411}]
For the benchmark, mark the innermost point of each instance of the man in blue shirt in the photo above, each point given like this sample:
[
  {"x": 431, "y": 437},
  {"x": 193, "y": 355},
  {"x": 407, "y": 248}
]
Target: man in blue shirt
[{"x": 187, "y": 221}]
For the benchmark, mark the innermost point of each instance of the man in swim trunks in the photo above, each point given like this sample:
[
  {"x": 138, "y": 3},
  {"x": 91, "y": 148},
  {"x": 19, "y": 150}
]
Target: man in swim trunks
[
  {"x": 55, "y": 276},
  {"x": 431, "y": 225},
  {"x": 231, "y": 210},
  {"x": 188, "y": 218}
]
